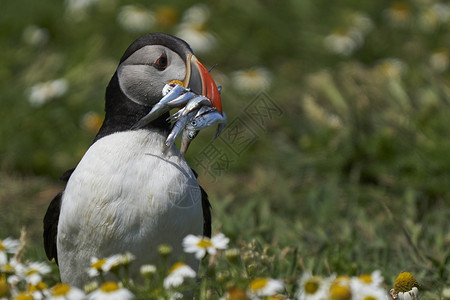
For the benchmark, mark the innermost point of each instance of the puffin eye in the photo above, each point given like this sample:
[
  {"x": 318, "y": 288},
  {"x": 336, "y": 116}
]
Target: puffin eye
[{"x": 161, "y": 62}]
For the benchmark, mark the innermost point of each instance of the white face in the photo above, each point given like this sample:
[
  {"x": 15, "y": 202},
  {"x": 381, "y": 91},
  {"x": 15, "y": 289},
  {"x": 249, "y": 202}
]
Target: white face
[{"x": 142, "y": 76}]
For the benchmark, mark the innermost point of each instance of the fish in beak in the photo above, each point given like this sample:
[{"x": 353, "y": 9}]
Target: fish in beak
[{"x": 197, "y": 90}]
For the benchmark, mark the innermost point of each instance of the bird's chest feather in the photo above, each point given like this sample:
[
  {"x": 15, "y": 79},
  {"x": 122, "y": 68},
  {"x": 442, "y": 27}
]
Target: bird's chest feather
[{"x": 126, "y": 193}]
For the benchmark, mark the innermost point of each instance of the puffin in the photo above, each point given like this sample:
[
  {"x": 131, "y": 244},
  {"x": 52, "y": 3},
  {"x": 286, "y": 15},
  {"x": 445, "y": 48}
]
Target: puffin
[{"x": 128, "y": 193}]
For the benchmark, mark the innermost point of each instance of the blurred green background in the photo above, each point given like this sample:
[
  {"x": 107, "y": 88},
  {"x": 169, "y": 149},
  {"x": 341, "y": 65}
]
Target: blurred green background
[{"x": 350, "y": 175}]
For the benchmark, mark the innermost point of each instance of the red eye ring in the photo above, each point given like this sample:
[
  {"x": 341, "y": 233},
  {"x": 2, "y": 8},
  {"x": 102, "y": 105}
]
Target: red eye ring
[{"x": 161, "y": 62}]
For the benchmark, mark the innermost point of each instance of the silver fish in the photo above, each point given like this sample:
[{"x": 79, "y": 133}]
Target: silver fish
[
  {"x": 178, "y": 128},
  {"x": 192, "y": 105},
  {"x": 205, "y": 117},
  {"x": 176, "y": 96},
  {"x": 186, "y": 139}
]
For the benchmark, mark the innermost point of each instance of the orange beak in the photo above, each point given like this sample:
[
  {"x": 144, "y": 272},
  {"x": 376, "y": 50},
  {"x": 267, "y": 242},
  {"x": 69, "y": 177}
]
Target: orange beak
[{"x": 200, "y": 82}]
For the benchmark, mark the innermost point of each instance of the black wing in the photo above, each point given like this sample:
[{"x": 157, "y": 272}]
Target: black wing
[
  {"x": 51, "y": 227},
  {"x": 206, "y": 206},
  {"x": 51, "y": 219}
]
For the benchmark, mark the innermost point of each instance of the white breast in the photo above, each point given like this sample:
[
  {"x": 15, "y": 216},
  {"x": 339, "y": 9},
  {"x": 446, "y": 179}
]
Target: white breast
[{"x": 126, "y": 195}]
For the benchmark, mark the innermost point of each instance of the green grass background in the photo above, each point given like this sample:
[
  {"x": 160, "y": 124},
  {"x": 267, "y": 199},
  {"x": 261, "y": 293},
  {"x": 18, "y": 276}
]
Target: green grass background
[{"x": 351, "y": 176}]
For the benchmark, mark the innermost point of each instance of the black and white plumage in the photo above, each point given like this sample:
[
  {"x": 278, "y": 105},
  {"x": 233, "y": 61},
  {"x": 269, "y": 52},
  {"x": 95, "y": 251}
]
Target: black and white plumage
[{"x": 126, "y": 194}]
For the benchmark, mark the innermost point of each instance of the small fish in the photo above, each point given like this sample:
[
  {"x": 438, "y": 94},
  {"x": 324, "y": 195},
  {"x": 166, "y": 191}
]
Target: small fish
[
  {"x": 205, "y": 120},
  {"x": 174, "y": 96},
  {"x": 205, "y": 117},
  {"x": 186, "y": 139},
  {"x": 177, "y": 128},
  {"x": 192, "y": 105}
]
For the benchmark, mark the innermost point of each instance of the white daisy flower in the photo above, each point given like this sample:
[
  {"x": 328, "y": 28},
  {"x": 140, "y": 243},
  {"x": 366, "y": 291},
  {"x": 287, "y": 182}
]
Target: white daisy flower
[
  {"x": 361, "y": 22},
  {"x": 11, "y": 267},
  {"x": 119, "y": 260},
  {"x": 148, "y": 270},
  {"x": 375, "y": 280},
  {"x": 405, "y": 287},
  {"x": 413, "y": 294},
  {"x": 63, "y": 291},
  {"x": 111, "y": 291},
  {"x": 341, "y": 42},
  {"x": 440, "y": 60},
  {"x": 198, "y": 13},
  {"x": 45, "y": 91},
  {"x": 446, "y": 293},
  {"x": 313, "y": 287},
  {"x": 13, "y": 280},
  {"x": 252, "y": 80},
  {"x": 32, "y": 273},
  {"x": 262, "y": 287},
  {"x": 398, "y": 14},
  {"x": 193, "y": 30},
  {"x": 135, "y": 18},
  {"x": 77, "y": 9},
  {"x": 101, "y": 265},
  {"x": 340, "y": 289},
  {"x": 370, "y": 292},
  {"x": 176, "y": 295},
  {"x": 38, "y": 291},
  {"x": 200, "y": 245},
  {"x": 391, "y": 68},
  {"x": 434, "y": 16},
  {"x": 197, "y": 36},
  {"x": 35, "y": 36},
  {"x": 7, "y": 245},
  {"x": 177, "y": 273}
]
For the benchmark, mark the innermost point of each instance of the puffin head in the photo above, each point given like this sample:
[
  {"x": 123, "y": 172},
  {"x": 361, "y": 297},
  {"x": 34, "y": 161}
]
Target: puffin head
[{"x": 148, "y": 64}]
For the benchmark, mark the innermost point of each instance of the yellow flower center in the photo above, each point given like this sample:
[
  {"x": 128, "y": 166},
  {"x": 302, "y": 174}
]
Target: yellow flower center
[
  {"x": 254, "y": 74},
  {"x": 405, "y": 282},
  {"x": 200, "y": 28},
  {"x": 31, "y": 272},
  {"x": 38, "y": 287},
  {"x": 400, "y": 7},
  {"x": 24, "y": 296},
  {"x": 8, "y": 268},
  {"x": 2, "y": 248},
  {"x": 312, "y": 285},
  {"x": 369, "y": 298},
  {"x": 98, "y": 264},
  {"x": 109, "y": 287},
  {"x": 92, "y": 122},
  {"x": 366, "y": 278},
  {"x": 61, "y": 289},
  {"x": 166, "y": 16},
  {"x": 258, "y": 284},
  {"x": 340, "y": 292},
  {"x": 4, "y": 288},
  {"x": 237, "y": 294},
  {"x": 204, "y": 243},
  {"x": 176, "y": 266}
]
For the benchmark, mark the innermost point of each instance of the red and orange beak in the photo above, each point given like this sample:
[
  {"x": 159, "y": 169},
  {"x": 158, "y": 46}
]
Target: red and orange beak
[{"x": 200, "y": 82}]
